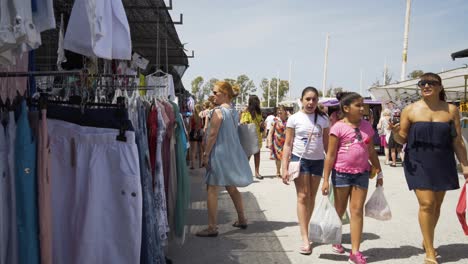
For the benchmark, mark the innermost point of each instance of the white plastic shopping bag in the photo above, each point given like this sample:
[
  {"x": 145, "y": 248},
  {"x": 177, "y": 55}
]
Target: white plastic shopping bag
[
  {"x": 377, "y": 206},
  {"x": 325, "y": 225}
]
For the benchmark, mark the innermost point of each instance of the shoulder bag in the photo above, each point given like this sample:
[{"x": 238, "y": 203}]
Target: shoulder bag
[
  {"x": 248, "y": 138},
  {"x": 294, "y": 167}
]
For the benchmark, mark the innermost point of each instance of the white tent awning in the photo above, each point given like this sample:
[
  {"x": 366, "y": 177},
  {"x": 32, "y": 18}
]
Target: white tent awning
[{"x": 452, "y": 80}]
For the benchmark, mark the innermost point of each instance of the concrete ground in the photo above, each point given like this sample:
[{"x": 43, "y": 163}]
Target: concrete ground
[{"x": 273, "y": 233}]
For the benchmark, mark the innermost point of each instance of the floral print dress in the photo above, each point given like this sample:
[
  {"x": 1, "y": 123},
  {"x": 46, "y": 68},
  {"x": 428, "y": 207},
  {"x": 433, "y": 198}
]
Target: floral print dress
[{"x": 279, "y": 136}]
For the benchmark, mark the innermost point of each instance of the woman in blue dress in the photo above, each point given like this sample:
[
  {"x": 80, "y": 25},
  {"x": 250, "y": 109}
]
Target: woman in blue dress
[
  {"x": 225, "y": 160},
  {"x": 431, "y": 129}
]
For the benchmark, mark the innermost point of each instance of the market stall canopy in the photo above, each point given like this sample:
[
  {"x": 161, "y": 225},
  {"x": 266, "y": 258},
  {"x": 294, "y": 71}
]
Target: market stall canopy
[
  {"x": 454, "y": 82},
  {"x": 460, "y": 54},
  {"x": 152, "y": 31}
]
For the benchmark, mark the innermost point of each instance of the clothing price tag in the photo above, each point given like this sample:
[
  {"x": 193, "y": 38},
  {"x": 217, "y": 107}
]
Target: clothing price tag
[{"x": 139, "y": 61}]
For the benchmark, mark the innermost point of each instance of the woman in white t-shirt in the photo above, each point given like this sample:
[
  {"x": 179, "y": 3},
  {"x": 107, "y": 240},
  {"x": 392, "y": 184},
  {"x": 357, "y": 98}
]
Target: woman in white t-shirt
[{"x": 308, "y": 122}]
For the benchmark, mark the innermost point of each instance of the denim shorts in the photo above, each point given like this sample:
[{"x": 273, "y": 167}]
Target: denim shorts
[
  {"x": 312, "y": 167},
  {"x": 342, "y": 179}
]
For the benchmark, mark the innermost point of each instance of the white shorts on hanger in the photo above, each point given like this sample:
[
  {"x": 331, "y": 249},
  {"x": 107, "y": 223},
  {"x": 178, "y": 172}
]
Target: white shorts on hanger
[{"x": 96, "y": 194}]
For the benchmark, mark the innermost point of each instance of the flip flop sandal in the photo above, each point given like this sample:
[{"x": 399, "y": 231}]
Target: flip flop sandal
[
  {"x": 239, "y": 225},
  {"x": 208, "y": 232},
  {"x": 305, "y": 250}
]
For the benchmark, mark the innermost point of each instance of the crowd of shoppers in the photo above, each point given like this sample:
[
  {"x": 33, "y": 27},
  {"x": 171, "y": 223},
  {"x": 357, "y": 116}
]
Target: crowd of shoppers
[{"x": 340, "y": 148}]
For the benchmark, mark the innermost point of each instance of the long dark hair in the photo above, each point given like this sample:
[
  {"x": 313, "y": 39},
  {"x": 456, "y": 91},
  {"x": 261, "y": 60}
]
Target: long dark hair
[
  {"x": 348, "y": 99},
  {"x": 254, "y": 106},
  {"x": 430, "y": 75},
  {"x": 317, "y": 111}
]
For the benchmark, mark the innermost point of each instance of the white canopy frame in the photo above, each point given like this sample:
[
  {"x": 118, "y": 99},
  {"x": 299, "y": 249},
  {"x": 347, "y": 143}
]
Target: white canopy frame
[{"x": 454, "y": 82}]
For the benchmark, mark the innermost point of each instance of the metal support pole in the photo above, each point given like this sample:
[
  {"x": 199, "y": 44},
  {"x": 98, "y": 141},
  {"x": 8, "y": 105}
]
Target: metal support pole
[
  {"x": 289, "y": 80},
  {"x": 268, "y": 93},
  {"x": 405, "y": 41},
  {"x": 277, "y": 89},
  {"x": 466, "y": 79},
  {"x": 325, "y": 66}
]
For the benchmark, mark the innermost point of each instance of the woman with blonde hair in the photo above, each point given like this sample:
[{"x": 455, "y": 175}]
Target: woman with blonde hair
[{"x": 224, "y": 158}]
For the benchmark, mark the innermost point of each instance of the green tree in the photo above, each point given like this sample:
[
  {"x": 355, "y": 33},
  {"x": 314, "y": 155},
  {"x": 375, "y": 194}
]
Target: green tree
[
  {"x": 415, "y": 74},
  {"x": 208, "y": 86},
  {"x": 273, "y": 84},
  {"x": 246, "y": 86},
  {"x": 197, "y": 89}
]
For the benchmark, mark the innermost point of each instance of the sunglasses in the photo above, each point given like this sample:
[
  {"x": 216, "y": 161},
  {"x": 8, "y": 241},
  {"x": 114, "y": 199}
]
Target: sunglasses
[
  {"x": 430, "y": 83},
  {"x": 358, "y": 134},
  {"x": 216, "y": 93}
]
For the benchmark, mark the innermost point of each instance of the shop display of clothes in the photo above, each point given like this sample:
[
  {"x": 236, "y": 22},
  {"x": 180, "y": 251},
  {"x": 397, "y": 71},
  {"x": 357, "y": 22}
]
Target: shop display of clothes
[
  {"x": 88, "y": 182},
  {"x": 65, "y": 209}
]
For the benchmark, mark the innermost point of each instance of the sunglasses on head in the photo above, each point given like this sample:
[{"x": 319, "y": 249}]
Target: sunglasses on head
[
  {"x": 430, "y": 83},
  {"x": 358, "y": 134}
]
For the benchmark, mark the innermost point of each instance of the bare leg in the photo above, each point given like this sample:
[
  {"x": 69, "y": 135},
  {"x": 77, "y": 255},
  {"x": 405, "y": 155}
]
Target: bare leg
[
  {"x": 212, "y": 205},
  {"x": 356, "y": 208},
  {"x": 427, "y": 219},
  {"x": 303, "y": 205},
  {"x": 278, "y": 167},
  {"x": 341, "y": 199},
  {"x": 387, "y": 155},
  {"x": 393, "y": 150},
  {"x": 257, "y": 163},
  {"x": 193, "y": 153},
  {"x": 237, "y": 200},
  {"x": 439, "y": 199}
]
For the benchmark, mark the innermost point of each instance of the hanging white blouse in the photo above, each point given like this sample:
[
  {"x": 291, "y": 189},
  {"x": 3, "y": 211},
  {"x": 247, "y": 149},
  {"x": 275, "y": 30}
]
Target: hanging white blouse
[
  {"x": 164, "y": 85},
  {"x": 100, "y": 29}
]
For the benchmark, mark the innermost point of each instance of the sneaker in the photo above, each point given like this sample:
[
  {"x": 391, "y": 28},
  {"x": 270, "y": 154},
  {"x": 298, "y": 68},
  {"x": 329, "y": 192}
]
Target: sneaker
[
  {"x": 357, "y": 258},
  {"x": 338, "y": 248}
]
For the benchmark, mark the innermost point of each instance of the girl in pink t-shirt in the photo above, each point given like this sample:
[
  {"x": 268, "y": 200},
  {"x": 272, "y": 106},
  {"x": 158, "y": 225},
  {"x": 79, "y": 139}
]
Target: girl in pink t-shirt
[{"x": 350, "y": 147}]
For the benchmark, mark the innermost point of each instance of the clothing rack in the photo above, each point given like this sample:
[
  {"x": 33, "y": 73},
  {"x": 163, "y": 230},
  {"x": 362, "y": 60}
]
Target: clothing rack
[{"x": 62, "y": 73}]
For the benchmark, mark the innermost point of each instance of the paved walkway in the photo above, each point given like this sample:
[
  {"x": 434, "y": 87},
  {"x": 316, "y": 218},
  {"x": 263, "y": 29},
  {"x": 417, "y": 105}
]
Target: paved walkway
[{"x": 273, "y": 233}]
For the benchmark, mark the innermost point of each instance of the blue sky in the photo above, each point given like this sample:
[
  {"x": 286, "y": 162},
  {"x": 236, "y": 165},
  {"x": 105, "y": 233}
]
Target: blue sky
[{"x": 259, "y": 38}]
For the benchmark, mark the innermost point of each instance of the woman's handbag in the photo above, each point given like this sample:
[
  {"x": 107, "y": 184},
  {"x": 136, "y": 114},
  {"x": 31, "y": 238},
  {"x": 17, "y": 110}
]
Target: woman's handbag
[
  {"x": 294, "y": 167},
  {"x": 248, "y": 138}
]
